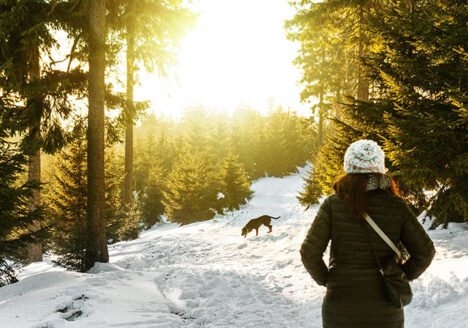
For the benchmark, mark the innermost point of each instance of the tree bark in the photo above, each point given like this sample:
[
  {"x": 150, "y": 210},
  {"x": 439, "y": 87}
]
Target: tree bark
[
  {"x": 97, "y": 249},
  {"x": 34, "y": 169},
  {"x": 128, "y": 183},
  {"x": 320, "y": 122},
  {"x": 363, "y": 81}
]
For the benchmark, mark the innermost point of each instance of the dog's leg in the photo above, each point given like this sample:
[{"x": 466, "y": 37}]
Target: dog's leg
[
  {"x": 256, "y": 231},
  {"x": 270, "y": 227}
]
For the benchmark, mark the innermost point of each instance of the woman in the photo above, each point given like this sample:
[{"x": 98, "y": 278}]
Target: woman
[{"x": 355, "y": 295}]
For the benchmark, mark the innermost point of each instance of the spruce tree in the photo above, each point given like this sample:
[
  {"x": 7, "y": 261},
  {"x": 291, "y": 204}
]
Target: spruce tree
[
  {"x": 420, "y": 70},
  {"x": 257, "y": 144},
  {"x": 333, "y": 37},
  {"x": 248, "y": 132},
  {"x": 312, "y": 191},
  {"x": 234, "y": 183},
  {"x": 123, "y": 220},
  {"x": 67, "y": 205},
  {"x": 150, "y": 198},
  {"x": 39, "y": 90},
  {"x": 15, "y": 213},
  {"x": 191, "y": 194},
  {"x": 146, "y": 153},
  {"x": 273, "y": 148}
]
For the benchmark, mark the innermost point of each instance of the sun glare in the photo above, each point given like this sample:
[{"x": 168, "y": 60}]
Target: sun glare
[{"x": 237, "y": 54}]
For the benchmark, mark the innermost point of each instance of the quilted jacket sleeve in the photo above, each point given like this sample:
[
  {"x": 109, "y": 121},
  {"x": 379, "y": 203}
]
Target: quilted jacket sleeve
[
  {"x": 315, "y": 244},
  {"x": 418, "y": 244}
]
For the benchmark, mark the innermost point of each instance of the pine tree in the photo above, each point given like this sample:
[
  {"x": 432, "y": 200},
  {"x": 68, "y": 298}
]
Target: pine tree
[
  {"x": 294, "y": 142},
  {"x": 247, "y": 139},
  {"x": 191, "y": 194},
  {"x": 328, "y": 163},
  {"x": 146, "y": 153},
  {"x": 234, "y": 183},
  {"x": 312, "y": 191},
  {"x": 67, "y": 205},
  {"x": 123, "y": 220},
  {"x": 284, "y": 146},
  {"x": 257, "y": 144},
  {"x": 195, "y": 129},
  {"x": 15, "y": 213},
  {"x": 334, "y": 38},
  {"x": 39, "y": 92},
  {"x": 420, "y": 70},
  {"x": 151, "y": 197},
  {"x": 219, "y": 137},
  {"x": 273, "y": 147}
]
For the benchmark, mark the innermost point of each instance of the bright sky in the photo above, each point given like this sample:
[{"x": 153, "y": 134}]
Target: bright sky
[{"x": 237, "y": 54}]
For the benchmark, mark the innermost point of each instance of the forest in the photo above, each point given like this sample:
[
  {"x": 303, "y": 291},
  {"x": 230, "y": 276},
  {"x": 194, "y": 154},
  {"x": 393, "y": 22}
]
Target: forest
[{"x": 84, "y": 165}]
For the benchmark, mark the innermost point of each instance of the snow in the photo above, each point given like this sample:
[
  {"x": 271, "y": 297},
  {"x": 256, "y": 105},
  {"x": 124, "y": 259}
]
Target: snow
[{"x": 207, "y": 275}]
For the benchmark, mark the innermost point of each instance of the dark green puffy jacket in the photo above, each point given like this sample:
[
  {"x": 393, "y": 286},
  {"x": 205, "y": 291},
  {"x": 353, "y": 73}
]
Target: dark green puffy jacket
[{"x": 355, "y": 295}]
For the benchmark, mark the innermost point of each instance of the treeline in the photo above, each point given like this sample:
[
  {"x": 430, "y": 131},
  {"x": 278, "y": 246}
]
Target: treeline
[
  {"x": 204, "y": 164},
  {"x": 395, "y": 72},
  {"x": 187, "y": 170}
]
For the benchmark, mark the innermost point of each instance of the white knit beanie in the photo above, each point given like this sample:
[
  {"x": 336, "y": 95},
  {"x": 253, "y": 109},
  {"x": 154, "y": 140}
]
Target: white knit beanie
[{"x": 364, "y": 156}]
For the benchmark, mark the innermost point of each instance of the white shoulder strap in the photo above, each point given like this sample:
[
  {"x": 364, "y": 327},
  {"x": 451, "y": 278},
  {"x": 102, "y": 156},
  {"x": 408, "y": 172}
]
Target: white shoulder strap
[{"x": 382, "y": 235}]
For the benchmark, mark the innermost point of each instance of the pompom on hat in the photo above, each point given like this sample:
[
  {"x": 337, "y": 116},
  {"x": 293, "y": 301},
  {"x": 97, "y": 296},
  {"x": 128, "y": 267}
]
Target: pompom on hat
[{"x": 364, "y": 156}]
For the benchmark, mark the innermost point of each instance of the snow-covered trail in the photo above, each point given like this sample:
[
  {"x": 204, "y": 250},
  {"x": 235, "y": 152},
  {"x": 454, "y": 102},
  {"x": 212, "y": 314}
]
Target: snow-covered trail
[
  {"x": 207, "y": 275},
  {"x": 217, "y": 278}
]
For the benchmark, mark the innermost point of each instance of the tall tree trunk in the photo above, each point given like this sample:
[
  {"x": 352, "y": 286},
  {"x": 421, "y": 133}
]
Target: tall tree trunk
[
  {"x": 97, "y": 249},
  {"x": 339, "y": 106},
  {"x": 321, "y": 109},
  {"x": 320, "y": 122},
  {"x": 128, "y": 184},
  {"x": 34, "y": 169},
  {"x": 363, "y": 81}
]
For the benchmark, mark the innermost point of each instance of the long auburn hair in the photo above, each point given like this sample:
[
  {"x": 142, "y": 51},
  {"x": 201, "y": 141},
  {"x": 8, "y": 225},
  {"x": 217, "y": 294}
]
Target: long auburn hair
[{"x": 352, "y": 188}]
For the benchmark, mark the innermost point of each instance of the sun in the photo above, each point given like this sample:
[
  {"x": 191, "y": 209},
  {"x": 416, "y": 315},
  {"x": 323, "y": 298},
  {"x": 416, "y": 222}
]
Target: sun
[{"x": 237, "y": 54}]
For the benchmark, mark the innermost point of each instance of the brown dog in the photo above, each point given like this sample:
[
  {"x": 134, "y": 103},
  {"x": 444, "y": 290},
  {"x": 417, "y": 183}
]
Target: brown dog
[{"x": 256, "y": 223}]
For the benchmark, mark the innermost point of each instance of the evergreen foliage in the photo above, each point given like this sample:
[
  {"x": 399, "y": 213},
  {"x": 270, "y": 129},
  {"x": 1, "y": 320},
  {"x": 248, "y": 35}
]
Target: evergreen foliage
[
  {"x": 14, "y": 210},
  {"x": 153, "y": 149},
  {"x": 312, "y": 191},
  {"x": 421, "y": 72},
  {"x": 67, "y": 201},
  {"x": 123, "y": 220},
  {"x": 234, "y": 183},
  {"x": 150, "y": 199},
  {"x": 7, "y": 273},
  {"x": 249, "y": 139},
  {"x": 151, "y": 30},
  {"x": 25, "y": 28},
  {"x": 274, "y": 144},
  {"x": 67, "y": 206},
  {"x": 190, "y": 194},
  {"x": 125, "y": 224},
  {"x": 37, "y": 92},
  {"x": 415, "y": 64}
]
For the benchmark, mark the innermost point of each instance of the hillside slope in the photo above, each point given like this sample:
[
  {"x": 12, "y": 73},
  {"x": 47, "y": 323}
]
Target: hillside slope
[{"x": 207, "y": 275}]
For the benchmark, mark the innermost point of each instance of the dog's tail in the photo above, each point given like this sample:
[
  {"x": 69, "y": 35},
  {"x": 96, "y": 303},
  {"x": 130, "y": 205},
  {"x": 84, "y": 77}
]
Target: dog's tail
[{"x": 274, "y": 217}]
